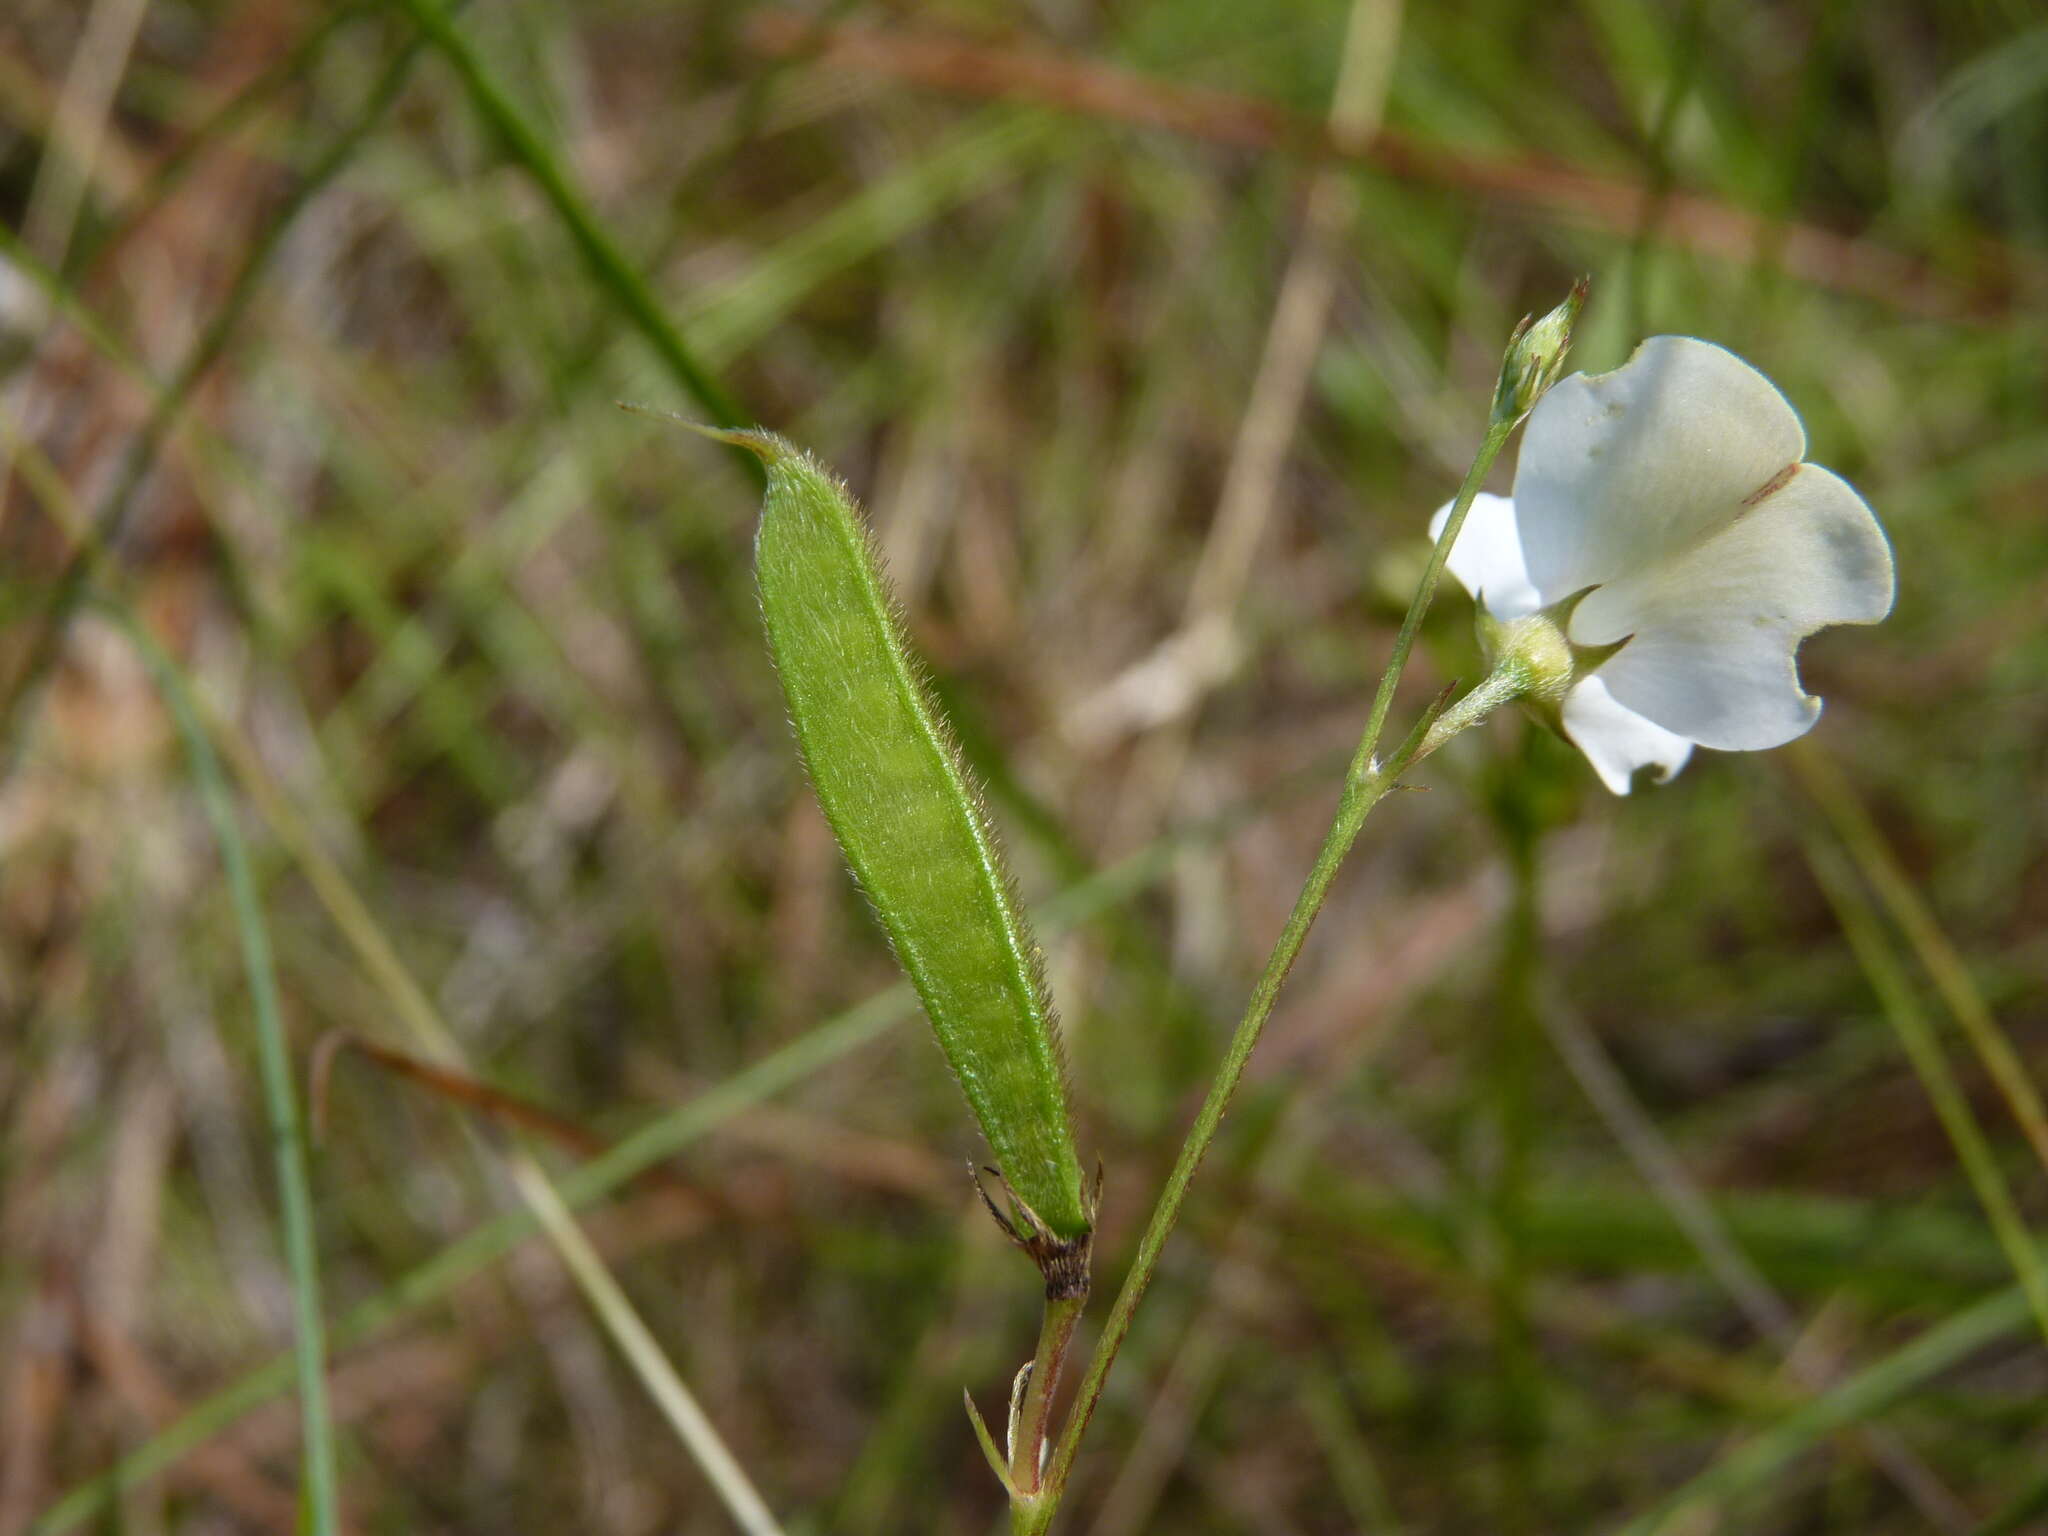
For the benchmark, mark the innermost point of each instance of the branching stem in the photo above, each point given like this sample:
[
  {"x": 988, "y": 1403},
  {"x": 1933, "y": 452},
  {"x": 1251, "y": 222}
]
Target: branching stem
[{"x": 1365, "y": 785}]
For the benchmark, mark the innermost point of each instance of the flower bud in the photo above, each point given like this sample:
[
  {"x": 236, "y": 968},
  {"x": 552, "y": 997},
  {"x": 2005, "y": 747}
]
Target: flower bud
[{"x": 1535, "y": 358}]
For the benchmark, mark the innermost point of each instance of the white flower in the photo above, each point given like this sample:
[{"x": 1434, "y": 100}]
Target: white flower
[{"x": 1673, "y": 488}]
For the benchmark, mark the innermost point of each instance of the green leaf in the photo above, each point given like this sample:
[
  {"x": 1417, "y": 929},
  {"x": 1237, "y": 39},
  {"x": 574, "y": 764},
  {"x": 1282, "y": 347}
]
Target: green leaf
[{"x": 912, "y": 827}]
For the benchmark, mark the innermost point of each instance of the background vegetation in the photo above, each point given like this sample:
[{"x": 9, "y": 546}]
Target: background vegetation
[{"x": 1602, "y": 1163}]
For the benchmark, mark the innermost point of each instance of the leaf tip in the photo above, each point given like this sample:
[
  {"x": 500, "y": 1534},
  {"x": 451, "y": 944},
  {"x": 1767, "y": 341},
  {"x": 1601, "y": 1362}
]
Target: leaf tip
[{"x": 764, "y": 445}]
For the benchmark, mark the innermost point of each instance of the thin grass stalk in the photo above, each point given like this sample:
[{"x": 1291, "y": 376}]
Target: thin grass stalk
[
  {"x": 615, "y": 276},
  {"x": 677, "y": 1403},
  {"x": 1860, "y": 1398},
  {"x": 1895, "y": 994},
  {"x": 320, "y": 1493},
  {"x": 169, "y": 403},
  {"x": 221, "y": 121},
  {"x": 1909, "y": 912},
  {"x": 373, "y": 947},
  {"x": 657, "y": 1374}
]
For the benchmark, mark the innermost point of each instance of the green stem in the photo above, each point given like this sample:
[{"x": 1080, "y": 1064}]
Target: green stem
[
  {"x": 1497, "y": 434},
  {"x": 1506, "y": 1074},
  {"x": 287, "y": 1133},
  {"x": 1365, "y": 785},
  {"x": 1359, "y": 797},
  {"x": 1508, "y": 682}
]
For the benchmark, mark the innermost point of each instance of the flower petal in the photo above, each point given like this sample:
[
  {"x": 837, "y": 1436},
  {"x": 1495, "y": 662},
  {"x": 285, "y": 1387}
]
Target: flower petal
[
  {"x": 1616, "y": 740},
  {"x": 1488, "y": 556},
  {"x": 1620, "y": 469},
  {"x": 1717, "y": 626}
]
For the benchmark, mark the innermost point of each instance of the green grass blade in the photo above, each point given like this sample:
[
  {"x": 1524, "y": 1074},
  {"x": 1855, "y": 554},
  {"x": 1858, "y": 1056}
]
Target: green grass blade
[
  {"x": 169, "y": 405},
  {"x": 320, "y": 1493},
  {"x": 545, "y": 1204},
  {"x": 2029, "y": 1504},
  {"x": 486, "y": 1244},
  {"x": 248, "y": 99},
  {"x": 617, "y": 277},
  {"x": 1916, "y": 1034},
  {"x": 1860, "y": 1398},
  {"x": 1910, "y": 913}
]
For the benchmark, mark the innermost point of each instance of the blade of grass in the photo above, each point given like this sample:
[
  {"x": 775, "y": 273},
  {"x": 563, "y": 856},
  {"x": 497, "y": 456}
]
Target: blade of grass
[
  {"x": 320, "y": 1492},
  {"x": 217, "y": 125},
  {"x": 1694, "y": 1213},
  {"x": 1507, "y": 1120},
  {"x": 617, "y": 277},
  {"x": 84, "y": 109},
  {"x": 1866, "y": 845},
  {"x": 374, "y": 948},
  {"x": 1895, "y": 994},
  {"x": 1860, "y": 1398},
  {"x": 169, "y": 404}
]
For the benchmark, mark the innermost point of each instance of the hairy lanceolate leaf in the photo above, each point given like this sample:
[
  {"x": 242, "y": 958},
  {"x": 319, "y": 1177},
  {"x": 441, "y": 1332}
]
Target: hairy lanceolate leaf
[{"x": 906, "y": 815}]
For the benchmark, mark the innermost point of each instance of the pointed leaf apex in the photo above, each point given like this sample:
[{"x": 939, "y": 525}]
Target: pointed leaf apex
[
  {"x": 988, "y": 1446},
  {"x": 764, "y": 445}
]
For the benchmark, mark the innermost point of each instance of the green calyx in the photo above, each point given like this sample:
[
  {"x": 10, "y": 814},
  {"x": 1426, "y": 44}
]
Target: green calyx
[
  {"x": 1535, "y": 648},
  {"x": 1538, "y": 653}
]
